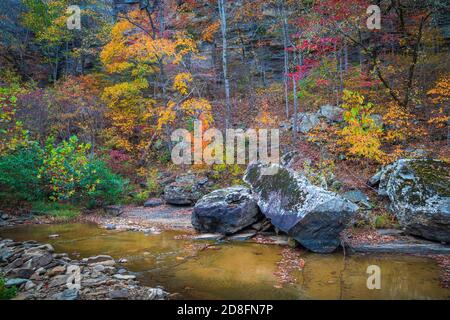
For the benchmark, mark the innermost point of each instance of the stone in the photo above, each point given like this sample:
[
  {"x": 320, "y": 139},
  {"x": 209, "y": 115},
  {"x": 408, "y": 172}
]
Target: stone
[
  {"x": 331, "y": 113},
  {"x": 113, "y": 210},
  {"x": 208, "y": 236},
  {"x": 390, "y": 232},
  {"x": 375, "y": 179},
  {"x": 311, "y": 215},
  {"x": 306, "y": 122},
  {"x": 58, "y": 281},
  {"x": 15, "y": 282},
  {"x": 101, "y": 259},
  {"x": 99, "y": 268},
  {"x": 123, "y": 260},
  {"x": 53, "y": 236},
  {"x": 23, "y": 273},
  {"x": 56, "y": 271},
  {"x": 110, "y": 226},
  {"x": 242, "y": 236},
  {"x": 121, "y": 294},
  {"x": 186, "y": 190},
  {"x": 29, "y": 285},
  {"x": 94, "y": 282},
  {"x": 5, "y": 254},
  {"x": 47, "y": 247},
  {"x": 41, "y": 260},
  {"x": 41, "y": 271},
  {"x": 68, "y": 294},
  {"x": 358, "y": 197},
  {"x": 124, "y": 277},
  {"x": 154, "y": 202},
  {"x": 419, "y": 192},
  {"x": 156, "y": 294},
  {"x": 226, "y": 211}
]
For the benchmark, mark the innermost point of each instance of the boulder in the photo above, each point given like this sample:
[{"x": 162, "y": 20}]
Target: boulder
[
  {"x": 306, "y": 122},
  {"x": 226, "y": 211},
  {"x": 311, "y": 215},
  {"x": 419, "y": 191},
  {"x": 186, "y": 190},
  {"x": 331, "y": 113}
]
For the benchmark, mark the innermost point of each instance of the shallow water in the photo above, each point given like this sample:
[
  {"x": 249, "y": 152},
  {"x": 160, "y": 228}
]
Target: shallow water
[{"x": 241, "y": 270}]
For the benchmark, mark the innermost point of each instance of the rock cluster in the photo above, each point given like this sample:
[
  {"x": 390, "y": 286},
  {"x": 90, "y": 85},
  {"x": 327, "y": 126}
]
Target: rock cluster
[
  {"x": 307, "y": 213},
  {"x": 8, "y": 220},
  {"x": 39, "y": 273},
  {"x": 185, "y": 190}
]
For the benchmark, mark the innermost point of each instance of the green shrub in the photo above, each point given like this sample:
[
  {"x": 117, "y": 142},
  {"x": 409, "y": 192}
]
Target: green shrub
[
  {"x": 19, "y": 174},
  {"x": 63, "y": 211},
  {"x": 102, "y": 185},
  {"x": 64, "y": 172},
  {"x": 6, "y": 293}
]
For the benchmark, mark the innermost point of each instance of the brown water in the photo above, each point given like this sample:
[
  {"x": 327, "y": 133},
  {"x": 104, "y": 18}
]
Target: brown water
[{"x": 241, "y": 270}]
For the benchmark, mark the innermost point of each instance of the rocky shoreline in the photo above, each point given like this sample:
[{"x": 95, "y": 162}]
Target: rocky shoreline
[{"x": 39, "y": 273}]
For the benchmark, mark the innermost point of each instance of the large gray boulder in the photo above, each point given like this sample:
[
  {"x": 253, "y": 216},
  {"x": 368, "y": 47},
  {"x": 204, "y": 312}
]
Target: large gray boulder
[
  {"x": 186, "y": 190},
  {"x": 311, "y": 215},
  {"x": 419, "y": 191},
  {"x": 331, "y": 113},
  {"x": 226, "y": 211},
  {"x": 306, "y": 121}
]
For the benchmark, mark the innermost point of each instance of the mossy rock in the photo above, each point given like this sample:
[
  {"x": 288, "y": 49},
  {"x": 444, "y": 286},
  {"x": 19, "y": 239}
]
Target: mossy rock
[
  {"x": 309, "y": 214},
  {"x": 419, "y": 191}
]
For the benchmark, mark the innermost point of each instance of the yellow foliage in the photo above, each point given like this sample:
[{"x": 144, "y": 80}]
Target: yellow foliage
[
  {"x": 210, "y": 31},
  {"x": 400, "y": 124},
  {"x": 181, "y": 82},
  {"x": 440, "y": 96},
  {"x": 361, "y": 137},
  {"x": 199, "y": 108}
]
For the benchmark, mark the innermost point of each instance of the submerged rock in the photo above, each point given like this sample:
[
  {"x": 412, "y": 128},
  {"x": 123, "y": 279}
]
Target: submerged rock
[
  {"x": 312, "y": 216},
  {"x": 419, "y": 191},
  {"x": 186, "y": 190},
  {"x": 226, "y": 211}
]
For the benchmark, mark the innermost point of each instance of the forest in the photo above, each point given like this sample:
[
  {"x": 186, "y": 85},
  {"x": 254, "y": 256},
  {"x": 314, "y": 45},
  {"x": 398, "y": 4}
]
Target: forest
[{"x": 356, "y": 93}]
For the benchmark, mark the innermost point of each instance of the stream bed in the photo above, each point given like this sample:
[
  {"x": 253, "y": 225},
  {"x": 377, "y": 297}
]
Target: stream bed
[{"x": 240, "y": 270}]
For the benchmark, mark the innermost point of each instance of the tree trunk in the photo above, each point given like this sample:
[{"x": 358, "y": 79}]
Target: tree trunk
[
  {"x": 286, "y": 59},
  {"x": 223, "y": 27}
]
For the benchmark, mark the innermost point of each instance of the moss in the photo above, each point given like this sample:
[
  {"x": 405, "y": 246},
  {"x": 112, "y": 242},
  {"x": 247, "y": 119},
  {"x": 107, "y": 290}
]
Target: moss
[
  {"x": 6, "y": 293},
  {"x": 435, "y": 174},
  {"x": 283, "y": 182}
]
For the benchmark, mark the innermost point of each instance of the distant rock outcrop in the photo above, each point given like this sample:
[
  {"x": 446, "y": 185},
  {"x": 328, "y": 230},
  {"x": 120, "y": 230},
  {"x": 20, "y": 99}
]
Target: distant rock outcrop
[{"x": 186, "y": 190}]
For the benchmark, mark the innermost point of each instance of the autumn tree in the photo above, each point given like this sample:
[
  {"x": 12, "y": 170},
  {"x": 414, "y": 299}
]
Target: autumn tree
[{"x": 152, "y": 83}]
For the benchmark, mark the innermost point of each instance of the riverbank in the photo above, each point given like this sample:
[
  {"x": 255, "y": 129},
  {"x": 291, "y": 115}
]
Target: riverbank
[{"x": 38, "y": 273}]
